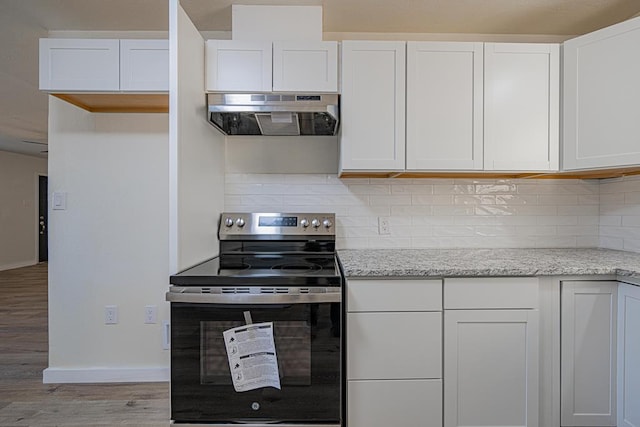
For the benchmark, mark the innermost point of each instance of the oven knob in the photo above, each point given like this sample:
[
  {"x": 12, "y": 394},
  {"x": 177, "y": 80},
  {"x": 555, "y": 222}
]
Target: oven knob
[
  {"x": 304, "y": 222},
  {"x": 327, "y": 223},
  {"x": 228, "y": 222},
  {"x": 315, "y": 223},
  {"x": 240, "y": 222}
]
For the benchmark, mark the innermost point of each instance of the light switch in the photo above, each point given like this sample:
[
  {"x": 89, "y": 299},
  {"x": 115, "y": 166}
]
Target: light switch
[{"x": 59, "y": 201}]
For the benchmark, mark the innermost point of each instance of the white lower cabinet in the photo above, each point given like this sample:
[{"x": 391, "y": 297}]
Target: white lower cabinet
[
  {"x": 628, "y": 356},
  {"x": 394, "y": 353},
  {"x": 491, "y": 368},
  {"x": 397, "y": 403},
  {"x": 588, "y": 360},
  {"x": 491, "y": 352}
]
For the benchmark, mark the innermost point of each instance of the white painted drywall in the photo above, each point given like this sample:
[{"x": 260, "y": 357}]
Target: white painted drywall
[
  {"x": 197, "y": 151},
  {"x": 110, "y": 245},
  {"x": 19, "y": 209}
]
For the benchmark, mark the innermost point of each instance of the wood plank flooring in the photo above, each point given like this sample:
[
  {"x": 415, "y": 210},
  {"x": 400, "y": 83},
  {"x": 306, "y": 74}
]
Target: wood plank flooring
[{"x": 26, "y": 401}]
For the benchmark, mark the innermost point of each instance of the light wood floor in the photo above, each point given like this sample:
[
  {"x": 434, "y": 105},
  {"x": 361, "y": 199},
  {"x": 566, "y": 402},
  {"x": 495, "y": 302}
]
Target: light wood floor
[{"x": 26, "y": 401}]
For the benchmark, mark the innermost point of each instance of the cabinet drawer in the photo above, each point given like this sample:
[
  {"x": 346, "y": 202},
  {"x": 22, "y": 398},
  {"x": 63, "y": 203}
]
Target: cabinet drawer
[
  {"x": 491, "y": 293},
  {"x": 416, "y": 403},
  {"x": 394, "y": 295},
  {"x": 394, "y": 345}
]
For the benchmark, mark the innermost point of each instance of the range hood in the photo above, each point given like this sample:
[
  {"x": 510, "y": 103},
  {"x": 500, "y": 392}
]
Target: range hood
[{"x": 274, "y": 114}]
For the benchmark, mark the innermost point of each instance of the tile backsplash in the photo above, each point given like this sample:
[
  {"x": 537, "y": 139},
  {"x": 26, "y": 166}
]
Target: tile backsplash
[
  {"x": 446, "y": 213},
  {"x": 620, "y": 213}
]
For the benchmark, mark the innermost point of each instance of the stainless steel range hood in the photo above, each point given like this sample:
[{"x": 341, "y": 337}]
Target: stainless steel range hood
[{"x": 274, "y": 114}]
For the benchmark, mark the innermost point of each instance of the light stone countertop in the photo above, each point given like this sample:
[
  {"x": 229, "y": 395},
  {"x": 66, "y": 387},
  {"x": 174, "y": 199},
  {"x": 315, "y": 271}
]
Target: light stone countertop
[{"x": 487, "y": 262}]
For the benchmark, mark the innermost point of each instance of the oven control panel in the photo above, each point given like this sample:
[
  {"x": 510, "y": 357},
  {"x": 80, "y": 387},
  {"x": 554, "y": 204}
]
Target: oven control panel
[{"x": 277, "y": 224}]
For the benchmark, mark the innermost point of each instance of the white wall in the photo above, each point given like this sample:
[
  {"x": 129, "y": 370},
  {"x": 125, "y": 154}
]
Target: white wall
[
  {"x": 197, "y": 150},
  {"x": 19, "y": 209},
  {"x": 432, "y": 213},
  {"x": 620, "y": 213},
  {"x": 110, "y": 246}
]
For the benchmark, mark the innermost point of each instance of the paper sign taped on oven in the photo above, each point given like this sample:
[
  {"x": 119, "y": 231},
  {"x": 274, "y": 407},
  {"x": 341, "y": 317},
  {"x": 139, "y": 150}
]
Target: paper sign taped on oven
[{"x": 252, "y": 356}]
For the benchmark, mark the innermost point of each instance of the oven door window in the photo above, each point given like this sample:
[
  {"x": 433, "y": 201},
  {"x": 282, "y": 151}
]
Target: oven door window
[{"x": 307, "y": 341}]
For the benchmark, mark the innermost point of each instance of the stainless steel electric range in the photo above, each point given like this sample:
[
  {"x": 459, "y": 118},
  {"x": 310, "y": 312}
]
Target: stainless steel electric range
[{"x": 256, "y": 336}]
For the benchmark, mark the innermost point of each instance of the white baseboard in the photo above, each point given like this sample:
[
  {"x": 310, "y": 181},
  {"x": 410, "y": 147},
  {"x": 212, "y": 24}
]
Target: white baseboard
[
  {"x": 17, "y": 265},
  {"x": 105, "y": 375}
]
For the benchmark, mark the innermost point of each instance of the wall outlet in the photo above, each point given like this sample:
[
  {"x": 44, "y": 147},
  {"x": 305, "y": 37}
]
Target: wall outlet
[
  {"x": 150, "y": 314},
  {"x": 383, "y": 225},
  {"x": 110, "y": 314}
]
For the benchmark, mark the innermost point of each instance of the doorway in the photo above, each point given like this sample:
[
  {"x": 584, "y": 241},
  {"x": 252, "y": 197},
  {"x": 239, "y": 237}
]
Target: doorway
[{"x": 43, "y": 220}]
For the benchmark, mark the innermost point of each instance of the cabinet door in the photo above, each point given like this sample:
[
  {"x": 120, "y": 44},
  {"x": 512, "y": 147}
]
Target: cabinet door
[
  {"x": 415, "y": 403},
  {"x": 628, "y": 355},
  {"x": 305, "y": 66},
  {"x": 444, "y": 105},
  {"x": 394, "y": 345},
  {"x": 373, "y": 105},
  {"x": 144, "y": 65},
  {"x": 238, "y": 66},
  {"x": 601, "y": 90},
  {"x": 521, "y": 106},
  {"x": 79, "y": 65},
  {"x": 490, "y": 368},
  {"x": 588, "y": 362}
]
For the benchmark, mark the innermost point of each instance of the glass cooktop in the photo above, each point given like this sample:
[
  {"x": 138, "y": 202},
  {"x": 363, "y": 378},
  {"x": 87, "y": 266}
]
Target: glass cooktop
[{"x": 261, "y": 270}]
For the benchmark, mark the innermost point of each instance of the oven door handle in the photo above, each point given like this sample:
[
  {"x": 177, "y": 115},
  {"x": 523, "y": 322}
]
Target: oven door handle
[{"x": 264, "y": 299}]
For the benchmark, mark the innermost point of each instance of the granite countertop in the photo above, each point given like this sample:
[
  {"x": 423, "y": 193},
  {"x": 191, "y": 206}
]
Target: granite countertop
[{"x": 488, "y": 262}]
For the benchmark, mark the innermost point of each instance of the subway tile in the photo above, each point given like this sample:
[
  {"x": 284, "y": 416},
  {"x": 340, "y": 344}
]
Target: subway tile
[
  {"x": 516, "y": 199},
  {"x": 610, "y": 220},
  {"x": 453, "y": 210},
  {"x": 434, "y": 220},
  {"x": 578, "y": 210},
  {"x": 474, "y": 200},
  {"x": 412, "y": 189},
  {"x": 631, "y": 221},
  {"x": 419, "y": 199},
  {"x": 390, "y": 200},
  {"x": 578, "y": 230},
  {"x": 557, "y": 199},
  {"x": 369, "y": 189},
  {"x": 411, "y": 210},
  {"x": 390, "y": 242},
  {"x": 495, "y": 188},
  {"x": 612, "y": 199},
  {"x": 611, "y": 242},
  {"x": 453, "y": 189}
]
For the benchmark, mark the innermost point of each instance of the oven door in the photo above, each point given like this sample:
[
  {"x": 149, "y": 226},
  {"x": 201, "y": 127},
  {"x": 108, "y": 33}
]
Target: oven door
[{"x": 307, "y": 336}]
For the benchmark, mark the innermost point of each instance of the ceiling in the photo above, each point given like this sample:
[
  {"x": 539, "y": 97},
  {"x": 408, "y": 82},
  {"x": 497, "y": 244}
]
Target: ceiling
[{"x": 23, "y": 109}]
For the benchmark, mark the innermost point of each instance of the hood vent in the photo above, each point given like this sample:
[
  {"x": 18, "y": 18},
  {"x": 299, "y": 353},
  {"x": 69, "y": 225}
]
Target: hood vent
[{"x": 274, "y": 114}]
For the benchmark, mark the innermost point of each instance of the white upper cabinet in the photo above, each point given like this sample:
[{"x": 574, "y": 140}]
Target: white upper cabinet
[
  {"x": 144, "y": 65},
  {"x": 248, "y": 66},
  {"x": 305, "y": 66},
  {"x": 521, "y": 107},
  {"x": 238, "y": 65},
  {"x": 373, "y": 106},
  {"x": 444, "y": 105},
  {"x": 79, "y": 65},
  {"x": 600, "y": 94},
  {"x": 104, "y": 65}
]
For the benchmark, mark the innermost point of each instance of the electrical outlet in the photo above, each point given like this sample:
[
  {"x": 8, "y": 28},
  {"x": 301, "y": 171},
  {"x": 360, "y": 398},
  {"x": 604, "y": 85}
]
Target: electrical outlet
[
  {"x": 110, "y": 314},
  {"x": 150, "y": 314},
  {"x": 383, "y": 225}
]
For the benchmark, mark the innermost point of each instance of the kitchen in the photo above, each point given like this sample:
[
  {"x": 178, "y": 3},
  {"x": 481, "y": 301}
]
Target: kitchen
[{"x": 451, "y": 212}]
